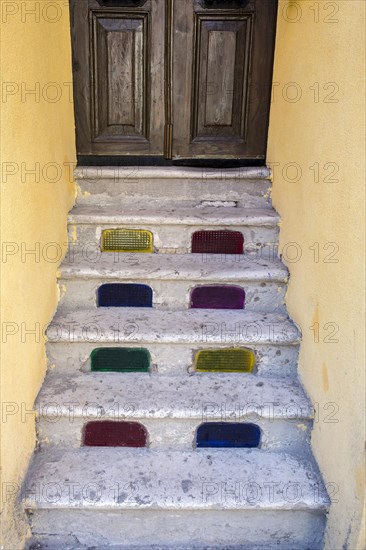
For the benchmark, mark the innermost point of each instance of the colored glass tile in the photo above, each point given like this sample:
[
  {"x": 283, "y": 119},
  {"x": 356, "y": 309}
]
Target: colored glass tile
[
  {"x": 107, "y": 433},
  {"x": 218, "y": 297},
  {"x": 127, "y": 240},
  {"x": 218, "y": 242},
  {"x": 228, "y": 434},
  {"x": 225, "y": 360},
  {"x": 124, "y": 295},
  {"x": 120, "y": 360}
]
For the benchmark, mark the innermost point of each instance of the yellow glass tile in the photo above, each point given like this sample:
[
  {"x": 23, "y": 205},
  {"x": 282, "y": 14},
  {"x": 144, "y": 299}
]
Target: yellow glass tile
[
  {"x": 225, "y": 360},
  {"x": 127, "y": 240}
]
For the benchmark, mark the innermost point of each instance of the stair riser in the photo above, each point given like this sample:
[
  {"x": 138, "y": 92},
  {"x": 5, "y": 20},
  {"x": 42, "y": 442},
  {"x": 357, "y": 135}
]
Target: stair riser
[
  {"x": 174, "y": 359},
  {"x": 249, "y": 193},
  {"x": 250, "y": 530},
  {"x": 59, "y": 426},
  {"x": 259, "y": 296},
  {"x": 171, "y": 238}
]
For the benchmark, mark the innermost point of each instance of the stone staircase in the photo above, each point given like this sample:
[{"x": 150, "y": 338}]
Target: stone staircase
[{"x": 172, "y": 495}]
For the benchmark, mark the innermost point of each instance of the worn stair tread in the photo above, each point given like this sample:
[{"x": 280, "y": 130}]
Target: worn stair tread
[
  {"x": 159, "y": 396},
  {"x": 173, "y": 480},
  {"x": 125, "y": 173},
  {"x": 192, "y": 326},
  {"x": 213, "y": 267},
  {"x": 138, "y": 213}
]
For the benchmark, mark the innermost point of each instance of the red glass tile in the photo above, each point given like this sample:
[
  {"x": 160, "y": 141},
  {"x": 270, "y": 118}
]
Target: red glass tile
[
  {"x": 218, "y": 242},
  {"x": 217, "y": 297},
  {"x": 107, "y": 433}
]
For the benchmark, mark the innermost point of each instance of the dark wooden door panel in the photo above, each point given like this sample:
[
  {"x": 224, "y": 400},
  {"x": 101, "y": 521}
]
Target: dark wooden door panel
[
  {"x": 221, "y": 86},
  {"x": 180, "y": 78},
  {"x": 118, "y": 54},
  {"x": 120, "y": 78},
  {"x": 221, "y": 61}
]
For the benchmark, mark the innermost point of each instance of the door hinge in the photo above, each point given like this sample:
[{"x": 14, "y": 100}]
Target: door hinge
[{"x": 168, "y": 141}]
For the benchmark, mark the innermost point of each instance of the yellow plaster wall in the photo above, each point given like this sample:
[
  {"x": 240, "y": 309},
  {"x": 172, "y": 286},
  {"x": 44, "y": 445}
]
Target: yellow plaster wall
[
  {"x": 317, "y": 116},
  {"x": 37, "y": 132}
]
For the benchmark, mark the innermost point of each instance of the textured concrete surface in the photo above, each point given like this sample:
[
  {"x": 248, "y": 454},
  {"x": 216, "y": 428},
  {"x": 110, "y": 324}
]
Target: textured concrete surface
[
  {"x": 195, "y": 267},
  {"x": 167, "y": 213},
  {"x": 192, "y": 326},
  {"x": 171, "y": 408},
  {"x": 278, "y": 361},
  {"x": 249, "y": 187},
  {"x": 173, "y": 480},
  {"x": 174, "y": 239},
  {"x": 259, "y": 296}
]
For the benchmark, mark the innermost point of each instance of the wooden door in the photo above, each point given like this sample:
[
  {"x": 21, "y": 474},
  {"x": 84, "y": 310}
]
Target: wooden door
[
  {"x": 173, "y": 78},
  {"x": 118, "y": 67},
  {"x": 222, "y": 83}
]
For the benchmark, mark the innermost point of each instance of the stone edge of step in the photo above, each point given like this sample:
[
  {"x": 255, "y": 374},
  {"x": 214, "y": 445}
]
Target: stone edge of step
[
  {"x": 174, "y": 267},
  {"x": 156, "y": 172},
  {"x": 196, "y": 397},
  {"x": 104, "y": 465},
  {"x": 192, "y": 326},
  {"x": 108, "y": 214},
  {"x": 44, "y": 542}
]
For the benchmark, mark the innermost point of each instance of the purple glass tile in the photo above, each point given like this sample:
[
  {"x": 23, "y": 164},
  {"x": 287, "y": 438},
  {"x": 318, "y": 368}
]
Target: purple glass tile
[{"x": 217, "y": 297}]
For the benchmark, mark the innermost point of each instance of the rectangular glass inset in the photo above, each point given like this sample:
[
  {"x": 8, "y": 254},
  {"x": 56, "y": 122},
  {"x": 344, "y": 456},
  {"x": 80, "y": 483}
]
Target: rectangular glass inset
[
  {"x": 124, "y": 295},
  {"x": 120, "y": 360},
  {"x": 108, "y": 433},
  {"x": 228, "y": 435},
  {"x": 218, "y": 242},
  {"x": 225, "y": 360},
  {"x": 217, "y": 297},
  {"x": 127, "y": 240}
]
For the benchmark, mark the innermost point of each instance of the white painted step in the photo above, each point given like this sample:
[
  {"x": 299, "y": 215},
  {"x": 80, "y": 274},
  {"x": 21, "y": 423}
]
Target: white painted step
[
  {"x": 249, "y": 186},
  {"x": 199, "y": 498},
  {"x": 172, "y": 224},
  {"x": 171, "y": 408},
  {"x": 172, "y": 277},
  {"x": 173, "y": 337}
]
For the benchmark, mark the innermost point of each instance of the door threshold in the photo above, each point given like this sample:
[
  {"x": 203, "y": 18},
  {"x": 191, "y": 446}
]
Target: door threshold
[{"x": 115, "y": 160}]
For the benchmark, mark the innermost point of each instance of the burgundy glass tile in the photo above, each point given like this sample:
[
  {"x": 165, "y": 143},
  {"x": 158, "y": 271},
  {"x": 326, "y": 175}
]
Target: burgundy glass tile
[
  {"x": 107, "y": 433},
  {"x": 217, "y": 297},
  {"x": 218, "y": 242}
]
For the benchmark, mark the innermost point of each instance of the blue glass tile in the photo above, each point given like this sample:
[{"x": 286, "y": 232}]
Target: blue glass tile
[
  {"x": 227, "y": 434},
  {"x": 124, "y": 295}
]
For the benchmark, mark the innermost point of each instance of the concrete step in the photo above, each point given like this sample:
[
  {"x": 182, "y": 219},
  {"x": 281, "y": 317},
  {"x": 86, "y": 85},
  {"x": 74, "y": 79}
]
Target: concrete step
[
  {"x": 249, "y": 186},
  {"x": 172, "y": 223},
  {"x": 171, "y": 409},
  {"x": 172, "y": 276},
  {"x": 194, "y": 499},
  {"x": 173, "y": 337},
  {"x": 273, "y": 338}
]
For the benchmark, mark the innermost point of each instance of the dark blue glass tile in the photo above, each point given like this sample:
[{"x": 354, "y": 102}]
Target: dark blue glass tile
[
  {"x": 124, "y": 295},
  {"x": 227, "y": 434}
]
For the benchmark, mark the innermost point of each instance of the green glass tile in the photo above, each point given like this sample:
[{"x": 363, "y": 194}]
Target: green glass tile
[
  {"x": 225, "y": 360},
  {"x": 127, "y": 240},
  {"x": 120, "y": 360}
]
